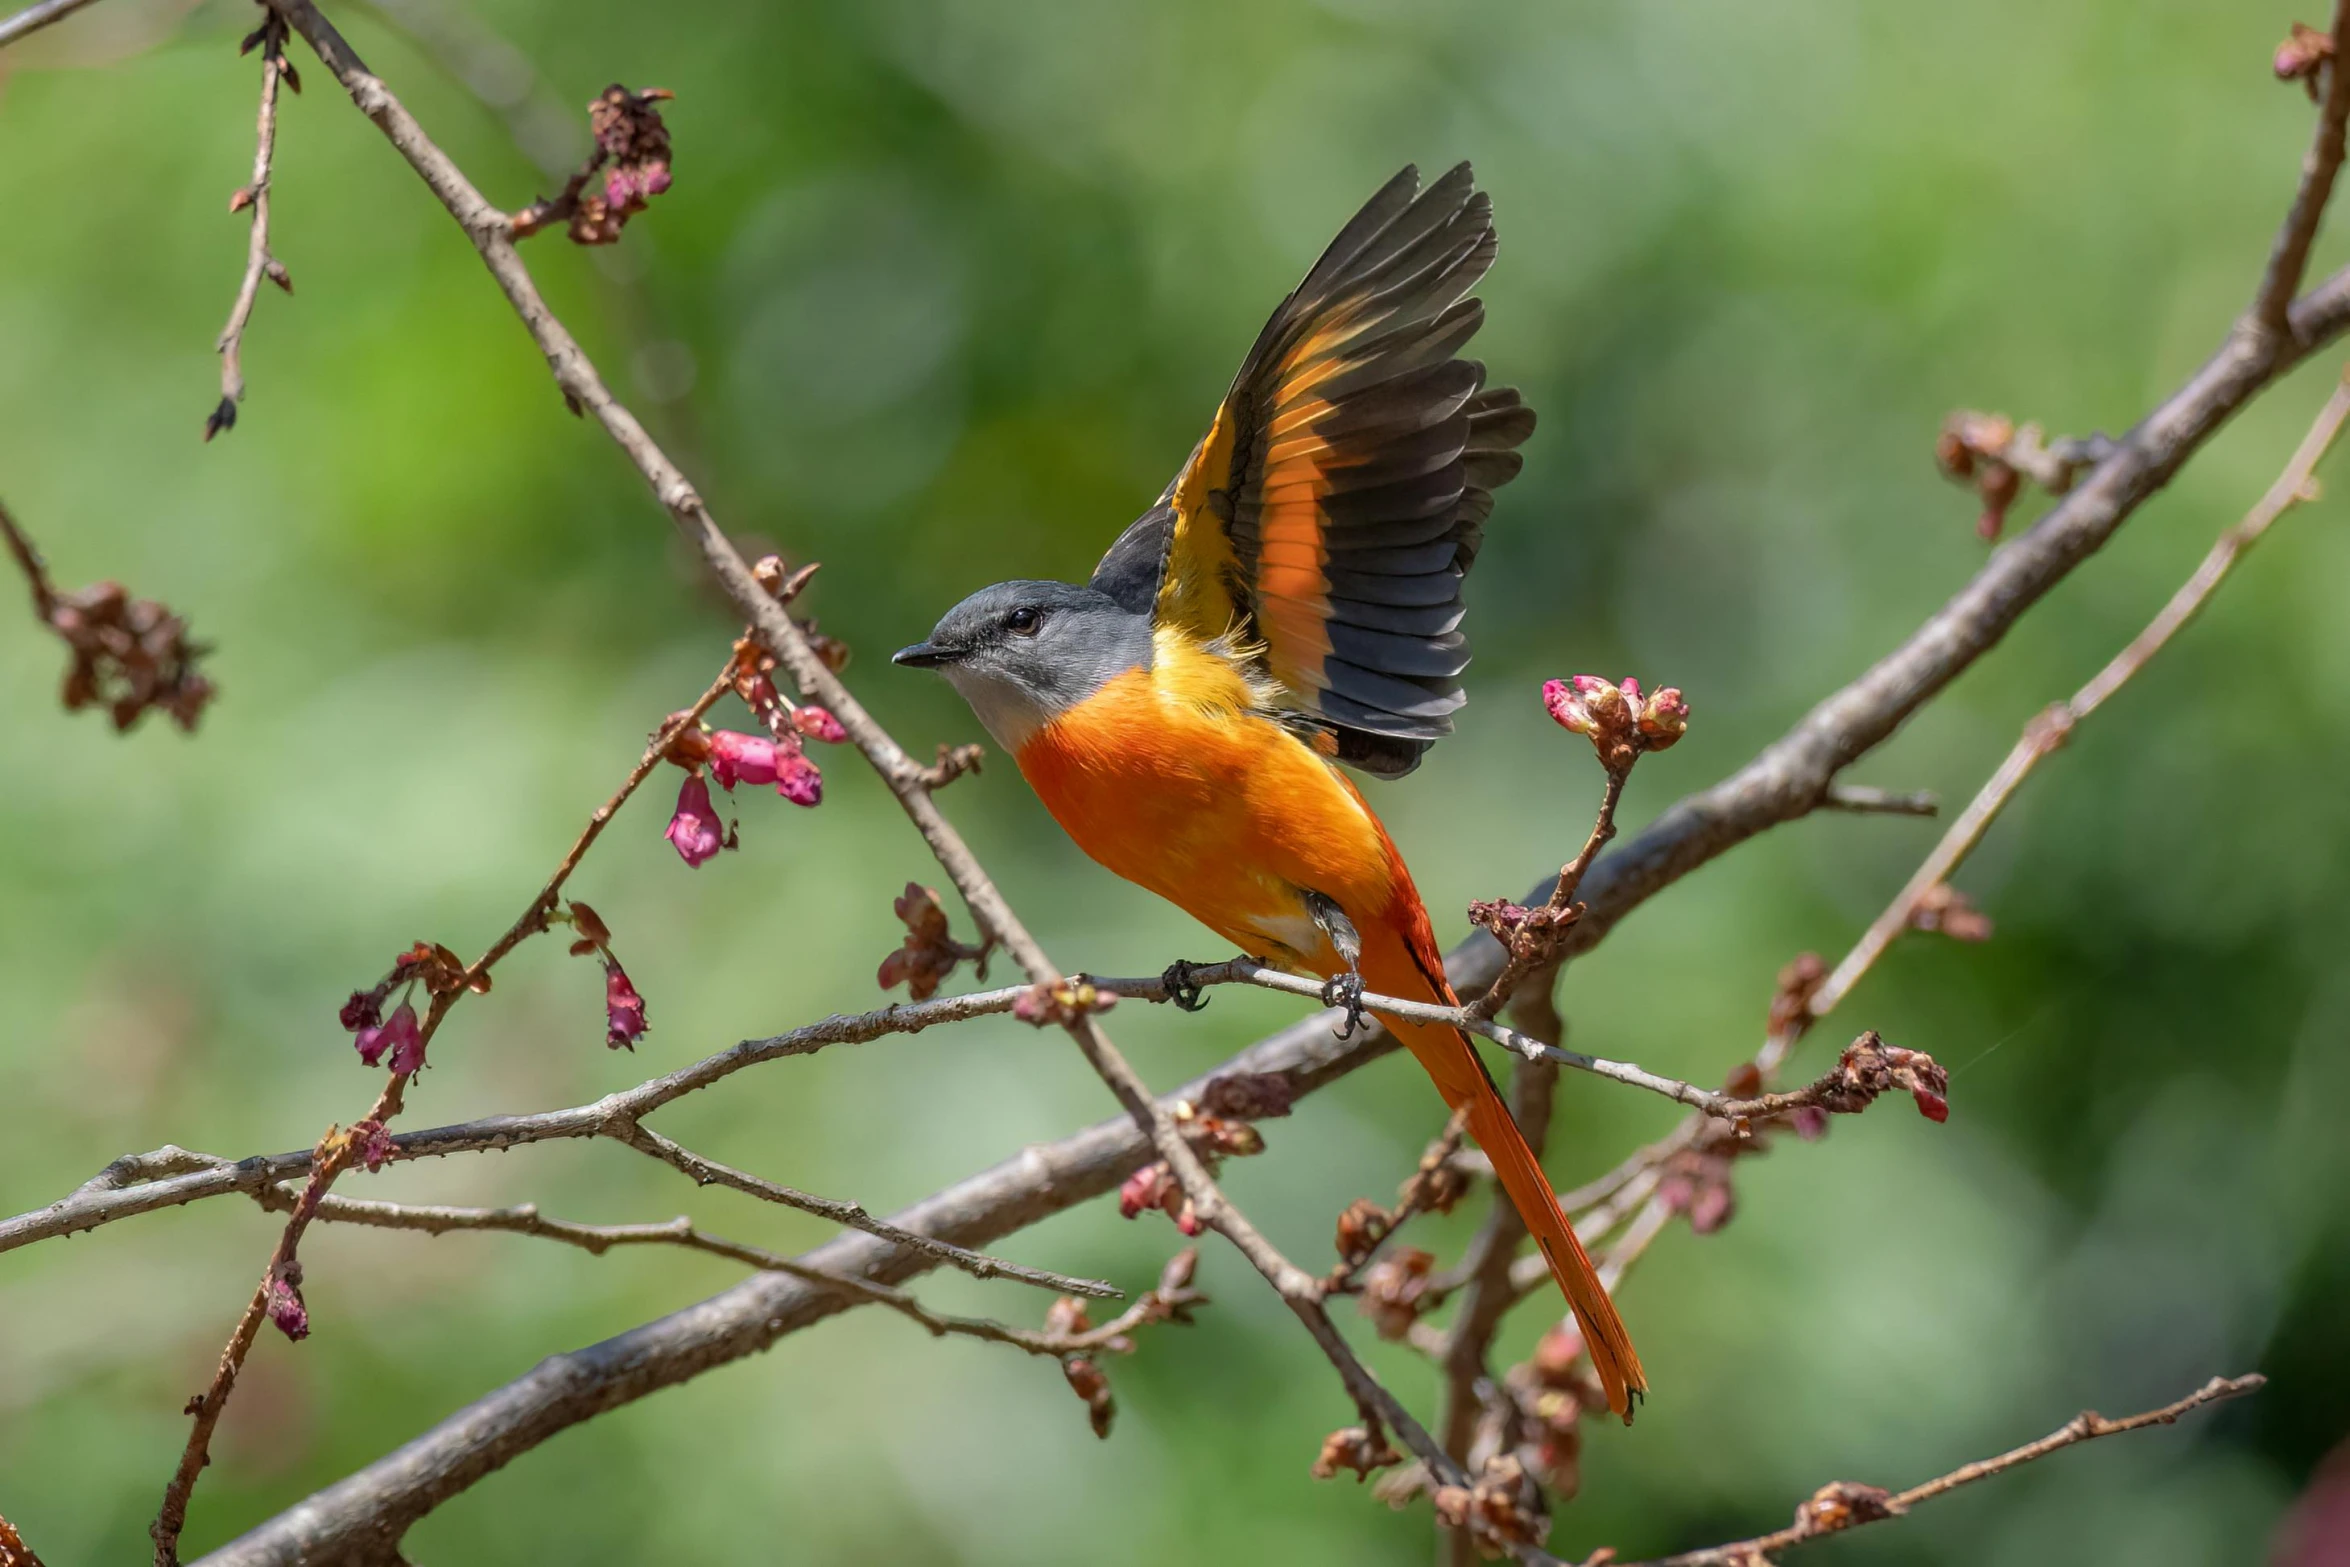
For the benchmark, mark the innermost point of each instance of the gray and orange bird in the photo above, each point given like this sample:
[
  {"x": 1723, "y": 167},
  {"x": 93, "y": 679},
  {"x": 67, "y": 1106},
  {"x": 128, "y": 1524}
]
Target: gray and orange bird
[{"x": 1293, "y": 602}]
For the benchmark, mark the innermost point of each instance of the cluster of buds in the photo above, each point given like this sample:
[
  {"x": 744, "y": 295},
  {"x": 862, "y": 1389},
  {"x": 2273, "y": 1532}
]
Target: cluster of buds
[
  {"x": 1154, "y": 1187},
  {"x": 930, "y": 952},
  {"x": 398, "y": 1040},
  {"x": 2305, "y": 56},
  {"x": 1553, "y": 1390},
  {"x": 1363, "y": 1450},
  {"x": 1870, "y": 1067},
  {"x": 777, "y": 758},
  {"x": 1361, "y": 1228},
  {"x": 129, "y": 655},
  {"x": 371, "y": 1140},
  {"x": 283, "y": 1297},
  {"x": 624, "y": 1008},
  {"x": 1219, "y": 1127},
  {"x": 1503, "y": 1512},
  {"x": 1067, "y": 1321},
  {"x": 1394, "y": 1291},
  {"x": 1058, "y": 1001},
  {"x": 632, "y": 153},
  {"x": 1621, "y": 723}
]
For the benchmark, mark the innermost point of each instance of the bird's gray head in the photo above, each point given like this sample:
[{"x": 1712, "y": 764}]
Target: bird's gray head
[{"x": 1023, "y": 653}]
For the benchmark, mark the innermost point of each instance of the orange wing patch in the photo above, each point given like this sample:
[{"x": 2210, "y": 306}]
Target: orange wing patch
[{"x": 1334, "y": 505}]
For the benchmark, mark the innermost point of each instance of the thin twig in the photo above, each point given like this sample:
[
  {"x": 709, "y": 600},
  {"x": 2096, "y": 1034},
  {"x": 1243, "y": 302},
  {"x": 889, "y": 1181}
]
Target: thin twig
[
  {"x": 259, "y": 263},
  {"x": 35, "y": 17},
  {"x": 28, "y": 560},
  {"x": 2048, "y": 730},
  {"x": 709, "y": 1172},
  {"x": 1842, "y": 1505},
  {"x": 597, "y": 1239},
  {"x": 1864, "y": 801},
  {"x": 1539, "y": 942},
  {"x": 2289, "y": 256}
]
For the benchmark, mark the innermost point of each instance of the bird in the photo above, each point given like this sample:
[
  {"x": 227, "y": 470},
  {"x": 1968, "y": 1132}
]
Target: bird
[{"x": 1292, "y": 603}]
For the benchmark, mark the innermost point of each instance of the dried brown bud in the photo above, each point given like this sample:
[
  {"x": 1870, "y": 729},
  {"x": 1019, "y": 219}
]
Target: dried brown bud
[
  {"x": 1360, "y": 1449},
  {"x": 1248, "y": 1096},
  {"x": 1066, "y": 1318},
  {"x": 1945, "y": 909},
  {"x": 929, "y": 953},
  {"x": 1799, "y": 981},
  {"x": 1840, "y": 1504},
  {"x": 1361, "y": 1228},
  {"x": 1393, "y": 1288},
  {"x": 1088, "y": 1383}
]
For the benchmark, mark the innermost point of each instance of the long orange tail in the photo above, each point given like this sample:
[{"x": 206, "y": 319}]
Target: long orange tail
[{"x": 1402, "y": 961}]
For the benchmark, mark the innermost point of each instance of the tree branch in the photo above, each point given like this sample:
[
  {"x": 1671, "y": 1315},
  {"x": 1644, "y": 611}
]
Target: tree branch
[
  {"x": 33, "y": 18},
  {"x": 2289, "y": 256},
  {"x": 2049, "y": 729},
  {"x": 1843, "y": 1505},
  {"x": 259, "y": 263},
  {"x": 597, "y": 1239}
]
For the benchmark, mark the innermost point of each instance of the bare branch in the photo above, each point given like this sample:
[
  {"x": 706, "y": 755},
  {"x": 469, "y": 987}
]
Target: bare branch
[
  {"x": 2289, "y": 257},
  {"x": 597, "y": 1239},
  {"x": 2048, "y": 730},
  {"x": 1862, "y": 800},
  {"x": 1843, "y": 1505},
  {"x": 33, "y": 18},
  {"x": 259, "y": 263},
  {"x": 709, "y": 1172}
]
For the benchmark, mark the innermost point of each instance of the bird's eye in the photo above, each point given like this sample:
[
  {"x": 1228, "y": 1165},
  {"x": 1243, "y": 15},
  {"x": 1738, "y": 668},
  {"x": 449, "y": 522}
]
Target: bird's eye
[{"x": 1023, "y": 621}]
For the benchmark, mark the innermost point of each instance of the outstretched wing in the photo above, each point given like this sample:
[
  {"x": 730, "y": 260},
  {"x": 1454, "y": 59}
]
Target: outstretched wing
[{"x": 1328, "y": 516}]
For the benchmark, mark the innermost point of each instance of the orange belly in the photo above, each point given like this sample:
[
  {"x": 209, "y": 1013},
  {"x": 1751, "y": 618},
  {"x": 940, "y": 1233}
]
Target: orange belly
[{"x": 1163, "y": 778}]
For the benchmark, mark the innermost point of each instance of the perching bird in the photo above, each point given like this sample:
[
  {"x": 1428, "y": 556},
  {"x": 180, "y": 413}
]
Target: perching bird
[{"x": 1293, "y": 601}]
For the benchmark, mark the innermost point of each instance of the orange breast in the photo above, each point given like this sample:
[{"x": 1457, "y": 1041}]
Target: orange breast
[{"x": 1167, "y": 778}]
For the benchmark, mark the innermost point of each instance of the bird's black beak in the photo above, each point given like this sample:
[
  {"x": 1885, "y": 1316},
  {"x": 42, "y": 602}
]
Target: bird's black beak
[{"x": 921, "y": 656}]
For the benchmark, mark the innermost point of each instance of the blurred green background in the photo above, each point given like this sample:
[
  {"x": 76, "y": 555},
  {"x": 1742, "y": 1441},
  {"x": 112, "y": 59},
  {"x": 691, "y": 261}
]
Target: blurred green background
[{"x": 942, "y": 294}]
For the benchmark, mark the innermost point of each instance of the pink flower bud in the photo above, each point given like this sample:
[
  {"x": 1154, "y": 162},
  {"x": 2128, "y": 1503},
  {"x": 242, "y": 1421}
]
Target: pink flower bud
[
  {"x": 284, "y": 1293},
  {"x": 818, "y": 724},
  {"x": 740, "y": 758},
  {"x": 399, "y": 1035},
  {"x": 797, "y": 779},
  {"x": 1566, "y": 707},
  {"x": 624, "y": 1010},
  {"x": 694, "y": 829},
  {"x": 1664, "y": 718}
]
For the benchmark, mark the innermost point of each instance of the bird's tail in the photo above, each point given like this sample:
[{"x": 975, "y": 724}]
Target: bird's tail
[{"x": 1461, "y": 1077}]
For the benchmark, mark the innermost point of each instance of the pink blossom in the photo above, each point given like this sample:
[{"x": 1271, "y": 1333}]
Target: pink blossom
[
  {"x": 375, "y": 1144},
  {"x": 740, "y": 758},
  {"x": 694, "y": 829},
  {"x": 624, "y": 1010},
  {"x": 797, "y": 779},
  {"x": 399, "y": 1035}
]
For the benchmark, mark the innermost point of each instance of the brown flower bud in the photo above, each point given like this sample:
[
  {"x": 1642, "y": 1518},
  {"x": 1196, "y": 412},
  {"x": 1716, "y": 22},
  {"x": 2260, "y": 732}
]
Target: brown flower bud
[{"x": 1357, "y": 1448}]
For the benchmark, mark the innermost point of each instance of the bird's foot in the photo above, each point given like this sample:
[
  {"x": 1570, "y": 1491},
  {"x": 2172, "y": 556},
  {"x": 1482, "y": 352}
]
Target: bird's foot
[
  {"x": 1187, "y": 993},
  {"x": 1346, "y": 993}
]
